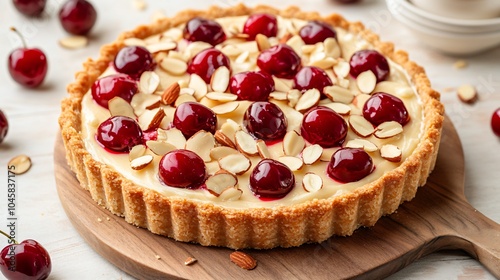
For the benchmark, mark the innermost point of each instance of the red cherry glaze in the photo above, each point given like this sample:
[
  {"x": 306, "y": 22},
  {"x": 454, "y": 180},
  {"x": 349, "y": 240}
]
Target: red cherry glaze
[
  {"x": 321, "y": 125},
  {"x": 495, "y": 122},
  {"x": 30, "y": 8},
  {"x": 350, "y": 165},
  {"x": 133, "y": 61},
  {"x": 383, "y": 107},
  {"x": 264, "y": 24},
  {"x": 191, "y": 117},
  {"x": 206, "y": 62},
  {"x": 4, "y": 126},
  {"x": 27, "y": 260},
  {"x": 77, "y": 16},
  {"x": 253, "y": 86},
  {"x": 119, "y": 134},
  {"x": 280, "y": 60},
  {"x": 311, "y": 77},
  {"x": 316, "y": 31},
  {"x": 365, "y": 60},
  {"x": 271, "y": 179},
  {"x": 111, "y": 86},
  {"x": 182, "y": 169},
  {"x": 264, "y": 120},
  {"x": 205, "y": 30}
]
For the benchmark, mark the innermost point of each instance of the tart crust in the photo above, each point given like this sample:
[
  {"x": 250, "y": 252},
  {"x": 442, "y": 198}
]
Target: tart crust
[{"x": 285, "y": 226}]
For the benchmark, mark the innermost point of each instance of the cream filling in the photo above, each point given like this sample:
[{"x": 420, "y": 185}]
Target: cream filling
[{"x": 397, "y": 84}]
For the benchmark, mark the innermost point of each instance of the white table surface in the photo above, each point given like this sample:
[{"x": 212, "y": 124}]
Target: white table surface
[{"x": 33, "y": 125}]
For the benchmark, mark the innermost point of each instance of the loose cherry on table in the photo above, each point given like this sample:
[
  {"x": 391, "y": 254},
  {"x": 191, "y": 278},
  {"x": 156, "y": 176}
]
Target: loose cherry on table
[
  {"x": 350, "y": 165},
  {"x": 383, "y": 107},
  {"x": 27, "y": 66},
  {"x": 106, "y": 88},
  {"x": 251, "y": 85},
  {"x": 182, "y": 169},
  {"x": 30, "y": 8},
  {"x": 280, "y": 60},
  {"x": 323, "y": 126},
  {"x": 4, "y": 126},
  {"x": 133, "y": 61},
  {"x": 310, "y": 77},
  {"x": 265, "y": 120},
  {"x": 271, "y": 179},
  {"x": 495, "y": 122},
  {"x": 77, "y": 16},
  {"x": 119, "y": 134},
  {"x": 316, "y": 31},
  {"x": 27, "y": 260},
  {"x": 191, "y": 117},
  {"x": 206, "y": 62},
  {"x": 265, "y": 24},
  {"x": 365, "y": 60},
  {"x": 205, "y": 30}
]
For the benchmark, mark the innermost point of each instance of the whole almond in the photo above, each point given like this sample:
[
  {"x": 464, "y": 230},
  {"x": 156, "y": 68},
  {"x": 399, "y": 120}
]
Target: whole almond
[{"x": 243, "y": 260}]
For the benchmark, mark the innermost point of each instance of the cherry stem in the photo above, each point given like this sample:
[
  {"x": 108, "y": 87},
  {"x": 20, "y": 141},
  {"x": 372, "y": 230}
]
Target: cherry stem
[
  {"x": 20, "y": 35},
  {"x": 8, "y": 236}
]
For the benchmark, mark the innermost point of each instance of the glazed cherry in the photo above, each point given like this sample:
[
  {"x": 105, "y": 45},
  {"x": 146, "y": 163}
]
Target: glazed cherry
[
  {"x": 365, "y": 60},
  {"x": 206, "y": 62},
  {"x": 30, "y": 8},
  {"x": 280, "y": 60},
  {"x": 264, "y": 120},
  {"x": 264, "y": 24},
  {"x": 311, "y": 77},
  {"x": 316, "y": 31},
  {"x": 383, "y": 107},
  {"x": 182, "y": 169},
  {"x": 133, "y": 61},
  {"x": 27, "y": 260},
  {"x": 119, "y": 134},
  {"x": 191, "y": 117},
  {"x": 350, "y": 165},
  {"x": 104, "y": 89},
  {"x": 271, "y": 179},
  {"x": 323, "y": 126},
  {"x": 4, "y": 126},
  {"x": 27, "y": 66},
  {"x": 77, "y": 16},
  {"x": 253, "y": 86},
  {"x": 495, "y": 122},
  {"x": 205, "y": 30}
]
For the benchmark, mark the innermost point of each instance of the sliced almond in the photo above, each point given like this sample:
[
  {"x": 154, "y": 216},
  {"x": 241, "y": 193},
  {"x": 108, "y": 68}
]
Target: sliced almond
[
  {"x": 243, "y": 260},
  {"x": 293, "y": 97},
  {"x": 294, "y": 163},
  {"x": 296, "y": 43},
  {"x": 388, "y": 129},
  {"x": 226, "y": 108},
  {"x": 262, "y": 42},
  {"x": 324, "y": 63},
  {"x": 221, "y": 96},
  {"x": 467, "y": 94},
  {"x": 119, "y": 107},
  {"x": 223, "y": 139},
  {"x": 245, "y": 143},
  {"x": 74, "y": 42},
  {"x": 361, "y": 126},
  {"x": 338, "y": 94},
  {"x": 235, "y": 163},
  {"x": 312, "y": 182},
  {"x": 278, "y": 95},
  {"x": 231, "y": 194},
  {"x": 160, "y": 148},
  {"x": 345, "y": 83},
  {"x": 332, "y": 48},
  {"x": 307, "y": 49},
  {"x": 221, "y": 181},
  {"x": 262, "y": 149},
  {"x": 141, "y": 162},
  {"x": 342, "y": 69},
  {"x": 136, "y": 151},
  {"x": 391, "y": 153},
  {"x": 187, "y": 90},
  {"x": 196, "y": 47},
  {"x": 222, "y": 151},
  {"x": 231, "y": 50},
  {"x": 173, "y": 66},
  {"x": 199, "y": 86},
  {"x": 327, "y": 154},
  {"x": 162, "y": 46},
  {"x": 175, "y": 137},
  {"x": 201, "y": 143},
  {"x": 220, "y": 79},
  {"x": 149, "y": 82},
  {"x": 134, "y": 42},
  {"x": 184, "y": 98},
  {"x": 243, "y": 57},
  {"x": 141, "y": 101},
  {"x": 281, "y": 85},
  {"x": 19, "y": 164},
  {"x": 360, "y": 100},
  {"x": 312, "y": 153},
  {"x": 229, "y": 128},
  {"x": 366, "y": 82},
  {"x": 309, "y": 99},
  {"x": 362, "y": 144},
  {"x": 293, "y": 143},
  {"x": 340, "y": 108},
  {"x": 171, "y": 94}
]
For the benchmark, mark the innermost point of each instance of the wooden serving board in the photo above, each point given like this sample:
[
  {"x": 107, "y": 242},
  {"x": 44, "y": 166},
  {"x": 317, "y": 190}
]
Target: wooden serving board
[{"x": 439, "y": 217}]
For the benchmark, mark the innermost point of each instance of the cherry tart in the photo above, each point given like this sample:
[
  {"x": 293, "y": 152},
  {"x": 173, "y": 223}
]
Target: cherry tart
[{"x": 252, "y": 124}]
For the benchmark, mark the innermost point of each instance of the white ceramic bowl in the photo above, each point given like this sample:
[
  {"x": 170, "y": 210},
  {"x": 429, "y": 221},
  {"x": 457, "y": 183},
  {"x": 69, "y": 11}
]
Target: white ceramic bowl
[{"x": 461, "y": 9}]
